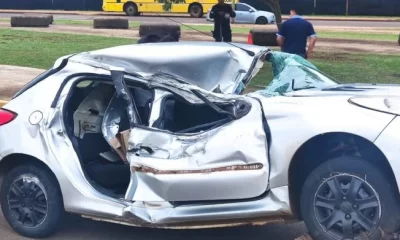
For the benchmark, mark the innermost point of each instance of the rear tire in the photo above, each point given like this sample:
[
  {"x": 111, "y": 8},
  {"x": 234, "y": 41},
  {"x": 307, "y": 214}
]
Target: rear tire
[
  {"x": 348, "y": 197},
  {"x": 261, "y": 21},
  {"x": 196, "y": 10},
  {"x": 131, "y": 10},
  {"x": 31, "y": 201}
]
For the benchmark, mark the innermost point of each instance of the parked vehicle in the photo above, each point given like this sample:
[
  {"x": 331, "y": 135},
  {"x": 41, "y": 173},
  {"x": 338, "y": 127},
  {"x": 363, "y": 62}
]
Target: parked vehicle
[
  {"x": 247, "y": 14},
  {"x": 157, "y": 135},
  {"x": 134, "y": 8}
]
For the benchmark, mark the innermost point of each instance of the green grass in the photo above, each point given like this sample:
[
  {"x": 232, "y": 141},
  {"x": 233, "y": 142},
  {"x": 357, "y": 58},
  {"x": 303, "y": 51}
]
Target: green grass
[
  {"x": 347, "y": 68},
  {"x": 40, "y": 50},
  {"x": 359, "y": 36}
]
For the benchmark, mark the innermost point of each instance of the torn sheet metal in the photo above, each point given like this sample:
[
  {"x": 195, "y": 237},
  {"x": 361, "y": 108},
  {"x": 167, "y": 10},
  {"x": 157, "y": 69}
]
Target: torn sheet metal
[
  {"x": 276, "y": 204},
  {"x": 291, "y": 73},
  {"x": 206, "y": 64},
  {"x": 241, "y": 142}
]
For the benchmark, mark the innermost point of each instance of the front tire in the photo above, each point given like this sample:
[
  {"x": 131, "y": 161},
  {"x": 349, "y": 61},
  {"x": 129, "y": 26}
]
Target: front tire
[
  {"x": 261, "y": 21},
  {"x": 31, "y": 201},
  {"x": 348, "y": 198}
]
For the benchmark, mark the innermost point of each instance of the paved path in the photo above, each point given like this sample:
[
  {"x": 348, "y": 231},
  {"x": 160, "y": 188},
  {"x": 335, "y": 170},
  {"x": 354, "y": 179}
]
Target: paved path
[
  {"x": 13, "y": 78},
  {"x": 78, "y": 228},
  {"x": 189, "y": 20}
]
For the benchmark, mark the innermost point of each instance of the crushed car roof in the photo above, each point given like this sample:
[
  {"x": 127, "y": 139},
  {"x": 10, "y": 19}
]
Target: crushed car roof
[{"x": 209, "y": 65}]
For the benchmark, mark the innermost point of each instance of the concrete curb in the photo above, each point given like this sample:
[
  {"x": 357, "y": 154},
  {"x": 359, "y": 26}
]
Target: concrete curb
[
  {"x": 2, "y": 103},
  {"x": 285, "y": 17}
]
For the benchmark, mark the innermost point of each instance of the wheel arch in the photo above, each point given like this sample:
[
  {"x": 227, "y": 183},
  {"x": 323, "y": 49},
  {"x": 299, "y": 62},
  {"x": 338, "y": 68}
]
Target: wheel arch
[
  {"x": 323, "y": 147},
  {"x": 17, "y": 159}
]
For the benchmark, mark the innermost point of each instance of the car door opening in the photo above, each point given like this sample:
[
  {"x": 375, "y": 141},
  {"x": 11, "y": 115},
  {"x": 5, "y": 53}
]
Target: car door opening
[{"x": 84, "y": 114}]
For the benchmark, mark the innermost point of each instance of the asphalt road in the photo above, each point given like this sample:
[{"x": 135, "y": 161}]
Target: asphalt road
[
  {"x": 77, "y": 228},
  {"x": 189, "y": 20}
]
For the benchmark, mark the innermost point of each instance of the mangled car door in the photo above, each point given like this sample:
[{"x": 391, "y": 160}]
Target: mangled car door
[{"x": 197, "y": 149}]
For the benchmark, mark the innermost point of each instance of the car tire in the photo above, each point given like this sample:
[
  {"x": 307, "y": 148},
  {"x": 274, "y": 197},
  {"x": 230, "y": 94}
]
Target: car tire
[
  {"x": 31, "y": 201},
  {"x": 374, "y": 204},
  {"x": 262, "y": 21},
  {"x": 131, "y": 10},
  {"x": 196, "y": 10}
]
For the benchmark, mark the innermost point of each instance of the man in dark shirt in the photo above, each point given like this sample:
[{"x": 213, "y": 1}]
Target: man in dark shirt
[
  {"x": 293, "y": 34},
  {"x": 222, "y": 14}
]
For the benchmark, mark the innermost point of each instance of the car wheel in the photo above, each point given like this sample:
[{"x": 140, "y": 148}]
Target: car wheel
[
  {"x": 31, "y": 201},
  {"x": 348, "y": 198},
  {"x": 130, "y": 9},
  {"x": 262, "y": 21},
  {"x": 195, "y": 10}
]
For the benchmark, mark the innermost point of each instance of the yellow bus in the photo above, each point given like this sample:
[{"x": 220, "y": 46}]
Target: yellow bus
[{"x": 196, "y": 8}]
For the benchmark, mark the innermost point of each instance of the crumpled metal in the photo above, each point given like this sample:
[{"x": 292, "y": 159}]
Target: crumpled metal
[{"x": 292, "y": 72}]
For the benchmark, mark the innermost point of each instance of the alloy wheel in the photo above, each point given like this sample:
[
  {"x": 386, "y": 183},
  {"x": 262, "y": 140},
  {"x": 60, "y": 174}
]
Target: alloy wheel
[
  {"x": 27, "y": 201},
  {"x": 346, "y": 206}
]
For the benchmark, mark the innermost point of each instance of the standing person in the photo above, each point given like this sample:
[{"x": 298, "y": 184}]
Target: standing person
[
  {"x": 294, "y": 33},
  {"x": 222, "y": 14}
]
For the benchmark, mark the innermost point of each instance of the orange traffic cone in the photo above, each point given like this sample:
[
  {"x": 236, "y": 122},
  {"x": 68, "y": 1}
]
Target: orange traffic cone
[{"x": 250, "y": 39}]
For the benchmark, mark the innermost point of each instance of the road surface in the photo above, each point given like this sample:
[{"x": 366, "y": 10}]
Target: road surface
[
  {"x": 78, "y": 228},
  {"x": 189, "y": 20}
]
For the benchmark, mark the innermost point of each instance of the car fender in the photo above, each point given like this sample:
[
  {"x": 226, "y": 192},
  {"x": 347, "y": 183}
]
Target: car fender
[{"x": 294, "y": 120}]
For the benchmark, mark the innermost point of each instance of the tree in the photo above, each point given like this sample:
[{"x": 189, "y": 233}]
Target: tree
[{"x": 276, "y": 7}]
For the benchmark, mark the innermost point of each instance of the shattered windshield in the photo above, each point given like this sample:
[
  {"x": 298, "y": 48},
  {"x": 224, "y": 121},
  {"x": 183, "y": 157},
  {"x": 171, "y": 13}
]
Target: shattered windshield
[{"x": 293, "y": 73}]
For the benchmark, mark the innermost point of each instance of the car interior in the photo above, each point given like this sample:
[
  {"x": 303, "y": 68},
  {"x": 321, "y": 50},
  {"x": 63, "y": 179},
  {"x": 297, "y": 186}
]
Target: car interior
[
  {"x": 88, "y": 100},
  {"x": 87, "y": 104}
]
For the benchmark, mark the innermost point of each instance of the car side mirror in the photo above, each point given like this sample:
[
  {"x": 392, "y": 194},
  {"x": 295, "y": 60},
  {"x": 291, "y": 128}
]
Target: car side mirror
[{"x": 251, "y": 10}]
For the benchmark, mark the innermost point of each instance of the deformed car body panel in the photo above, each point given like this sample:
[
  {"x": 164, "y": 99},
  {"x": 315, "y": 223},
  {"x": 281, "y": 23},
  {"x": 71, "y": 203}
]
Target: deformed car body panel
[
  {"x": 229, "y": 162},
  {"x": 169, "y": 166},
  {"x": 223, "y": 66},
  {"x": 273, "y": 207}
]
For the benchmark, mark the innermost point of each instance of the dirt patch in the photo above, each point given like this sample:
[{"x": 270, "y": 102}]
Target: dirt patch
[
  {"x": 396, "y": 75},
  {"x": 336, "y": 56},
  {"x": 13, "y": 78}
]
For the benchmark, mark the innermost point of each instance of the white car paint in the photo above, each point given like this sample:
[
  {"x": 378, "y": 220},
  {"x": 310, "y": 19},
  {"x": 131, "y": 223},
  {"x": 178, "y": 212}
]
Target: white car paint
[{"x": 247, "y": 14}]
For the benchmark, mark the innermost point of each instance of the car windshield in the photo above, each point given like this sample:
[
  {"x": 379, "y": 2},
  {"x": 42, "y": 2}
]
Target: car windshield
[{"x": 293, "y": 73}]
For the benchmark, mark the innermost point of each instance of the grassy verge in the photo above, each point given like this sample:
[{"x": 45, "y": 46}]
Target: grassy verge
[
  {"x": 40, "y": 50},
  {"x": 245, "y": 30}
]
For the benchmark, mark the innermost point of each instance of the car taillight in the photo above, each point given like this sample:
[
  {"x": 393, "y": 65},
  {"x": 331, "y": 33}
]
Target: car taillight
[{"x": 6, "y": 116}]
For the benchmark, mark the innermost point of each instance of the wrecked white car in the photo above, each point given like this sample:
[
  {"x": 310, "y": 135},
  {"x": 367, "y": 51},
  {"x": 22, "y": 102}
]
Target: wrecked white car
[{"x": 154, "y": 135}]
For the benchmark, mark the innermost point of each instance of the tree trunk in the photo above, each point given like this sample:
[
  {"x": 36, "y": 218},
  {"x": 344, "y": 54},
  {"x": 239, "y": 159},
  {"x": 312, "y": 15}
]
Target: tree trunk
[{"x": 275, "y": 6}]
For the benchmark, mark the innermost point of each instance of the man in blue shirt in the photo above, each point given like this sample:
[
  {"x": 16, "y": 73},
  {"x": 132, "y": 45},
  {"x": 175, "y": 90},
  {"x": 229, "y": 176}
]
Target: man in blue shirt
[{"x": 294, "y": 33}]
